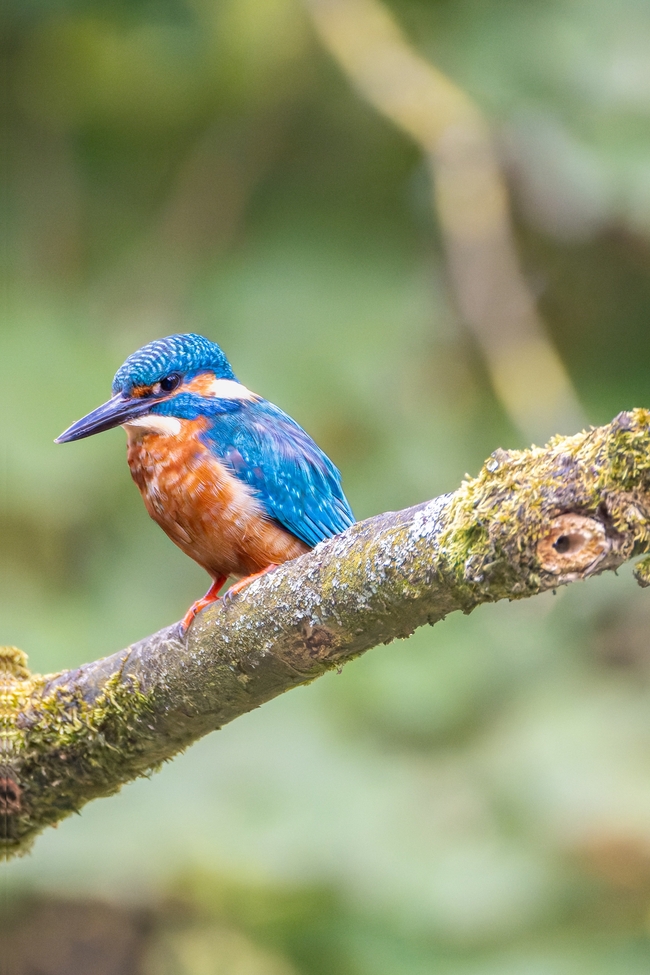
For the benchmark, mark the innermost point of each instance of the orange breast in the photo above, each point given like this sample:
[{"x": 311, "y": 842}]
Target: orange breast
[{"x": 207, "y": 511}]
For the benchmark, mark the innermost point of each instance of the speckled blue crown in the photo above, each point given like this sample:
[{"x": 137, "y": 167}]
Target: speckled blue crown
[{"x": 177, "y": 353}]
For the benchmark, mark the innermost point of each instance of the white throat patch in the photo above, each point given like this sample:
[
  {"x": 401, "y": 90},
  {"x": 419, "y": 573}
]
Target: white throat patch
[{"x": 168, "y": 426}]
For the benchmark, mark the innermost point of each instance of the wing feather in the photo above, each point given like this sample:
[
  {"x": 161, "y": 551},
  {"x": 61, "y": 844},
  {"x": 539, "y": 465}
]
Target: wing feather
[{"x": 295, "y": 482}]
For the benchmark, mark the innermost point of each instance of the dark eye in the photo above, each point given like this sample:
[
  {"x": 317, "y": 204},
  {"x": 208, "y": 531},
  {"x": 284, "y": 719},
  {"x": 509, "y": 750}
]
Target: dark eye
[{"x": 170, "y": 383}]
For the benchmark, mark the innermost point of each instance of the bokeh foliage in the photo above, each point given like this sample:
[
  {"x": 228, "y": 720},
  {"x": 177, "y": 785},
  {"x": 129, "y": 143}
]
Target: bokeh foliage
[{"x": 477, "y": 799}]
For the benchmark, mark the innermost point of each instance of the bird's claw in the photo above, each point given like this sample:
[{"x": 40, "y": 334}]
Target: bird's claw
[
  {"x": 228, "y": 596},
  {"x": 235, "y": 590},
  {"x": 211, "y": 596}
]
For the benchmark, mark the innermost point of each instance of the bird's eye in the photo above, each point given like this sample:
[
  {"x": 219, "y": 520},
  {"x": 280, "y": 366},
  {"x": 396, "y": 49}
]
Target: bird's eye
[{"x": 170, "y": 383}]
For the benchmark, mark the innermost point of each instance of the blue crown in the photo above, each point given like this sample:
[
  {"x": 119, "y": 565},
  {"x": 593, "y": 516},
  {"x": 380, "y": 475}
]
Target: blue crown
[{"x": 188, "y": 353}]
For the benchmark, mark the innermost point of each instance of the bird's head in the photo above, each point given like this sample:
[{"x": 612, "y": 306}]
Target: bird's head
[{"x": 162, "y": 379}]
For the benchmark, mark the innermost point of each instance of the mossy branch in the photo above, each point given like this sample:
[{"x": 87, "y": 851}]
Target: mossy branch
[{"x": 531, "y": 520}]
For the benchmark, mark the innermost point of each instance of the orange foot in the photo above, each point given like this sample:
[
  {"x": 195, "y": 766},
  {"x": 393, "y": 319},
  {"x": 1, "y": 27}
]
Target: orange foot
[
  {"x": 246, "y": 581},
  {"x": 211, "y": 596}
]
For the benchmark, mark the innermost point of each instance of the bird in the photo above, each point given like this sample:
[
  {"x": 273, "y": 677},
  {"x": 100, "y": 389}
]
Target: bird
[{"x": 234, "y": 481}]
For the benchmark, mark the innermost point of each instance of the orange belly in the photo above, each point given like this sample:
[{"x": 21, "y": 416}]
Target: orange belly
[{"x": 207, "y": 511}]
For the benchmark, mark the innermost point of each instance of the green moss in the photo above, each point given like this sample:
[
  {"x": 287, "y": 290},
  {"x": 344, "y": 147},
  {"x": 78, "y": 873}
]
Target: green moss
[
  {"x": 13, "y": 662},
  {"x": 16, "y": 688},
  {"x": 604, "y": 473},
  {"x": 72, "y": 751}
]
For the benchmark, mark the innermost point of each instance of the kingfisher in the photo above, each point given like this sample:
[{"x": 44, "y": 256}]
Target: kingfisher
[{"x": 234, "y": 481}]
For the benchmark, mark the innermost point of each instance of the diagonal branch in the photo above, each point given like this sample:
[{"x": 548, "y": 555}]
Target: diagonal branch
[{"x": 530, "y": 521}]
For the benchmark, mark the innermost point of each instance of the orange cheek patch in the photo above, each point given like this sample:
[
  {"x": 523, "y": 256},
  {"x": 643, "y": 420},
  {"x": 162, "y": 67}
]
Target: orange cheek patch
[{"x": 201, "y": 384}]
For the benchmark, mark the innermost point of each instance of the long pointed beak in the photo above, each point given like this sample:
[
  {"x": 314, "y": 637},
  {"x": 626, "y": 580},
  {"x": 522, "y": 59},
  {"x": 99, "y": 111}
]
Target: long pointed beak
[{"x": 118, "y": 410}]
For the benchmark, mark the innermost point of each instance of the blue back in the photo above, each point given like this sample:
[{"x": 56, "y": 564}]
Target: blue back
[{"x": 296, "y": 483}]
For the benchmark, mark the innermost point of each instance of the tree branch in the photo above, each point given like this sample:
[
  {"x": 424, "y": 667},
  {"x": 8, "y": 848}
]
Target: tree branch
[{"x": 530, "y": 521}]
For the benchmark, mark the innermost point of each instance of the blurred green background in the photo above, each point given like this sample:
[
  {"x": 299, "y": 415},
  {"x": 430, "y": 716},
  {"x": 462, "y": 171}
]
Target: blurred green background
[{"x": 472, "y": 801}]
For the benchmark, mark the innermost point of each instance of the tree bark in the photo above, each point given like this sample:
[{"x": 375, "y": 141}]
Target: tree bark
[{"x": 530, "y": 521}]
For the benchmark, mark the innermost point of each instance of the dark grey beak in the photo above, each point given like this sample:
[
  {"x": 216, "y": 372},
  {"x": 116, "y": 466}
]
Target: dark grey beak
[{"x": 118, "y": 410}]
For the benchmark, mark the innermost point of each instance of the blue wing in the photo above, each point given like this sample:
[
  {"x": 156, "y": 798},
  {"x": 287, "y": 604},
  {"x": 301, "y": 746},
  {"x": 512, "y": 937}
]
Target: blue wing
[{"x": 296, "y": 483}]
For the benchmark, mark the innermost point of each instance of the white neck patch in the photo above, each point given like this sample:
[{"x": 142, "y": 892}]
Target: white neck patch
[
  {"x": 229, "y": 389},
  {"x": 168, "y": 426}
]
